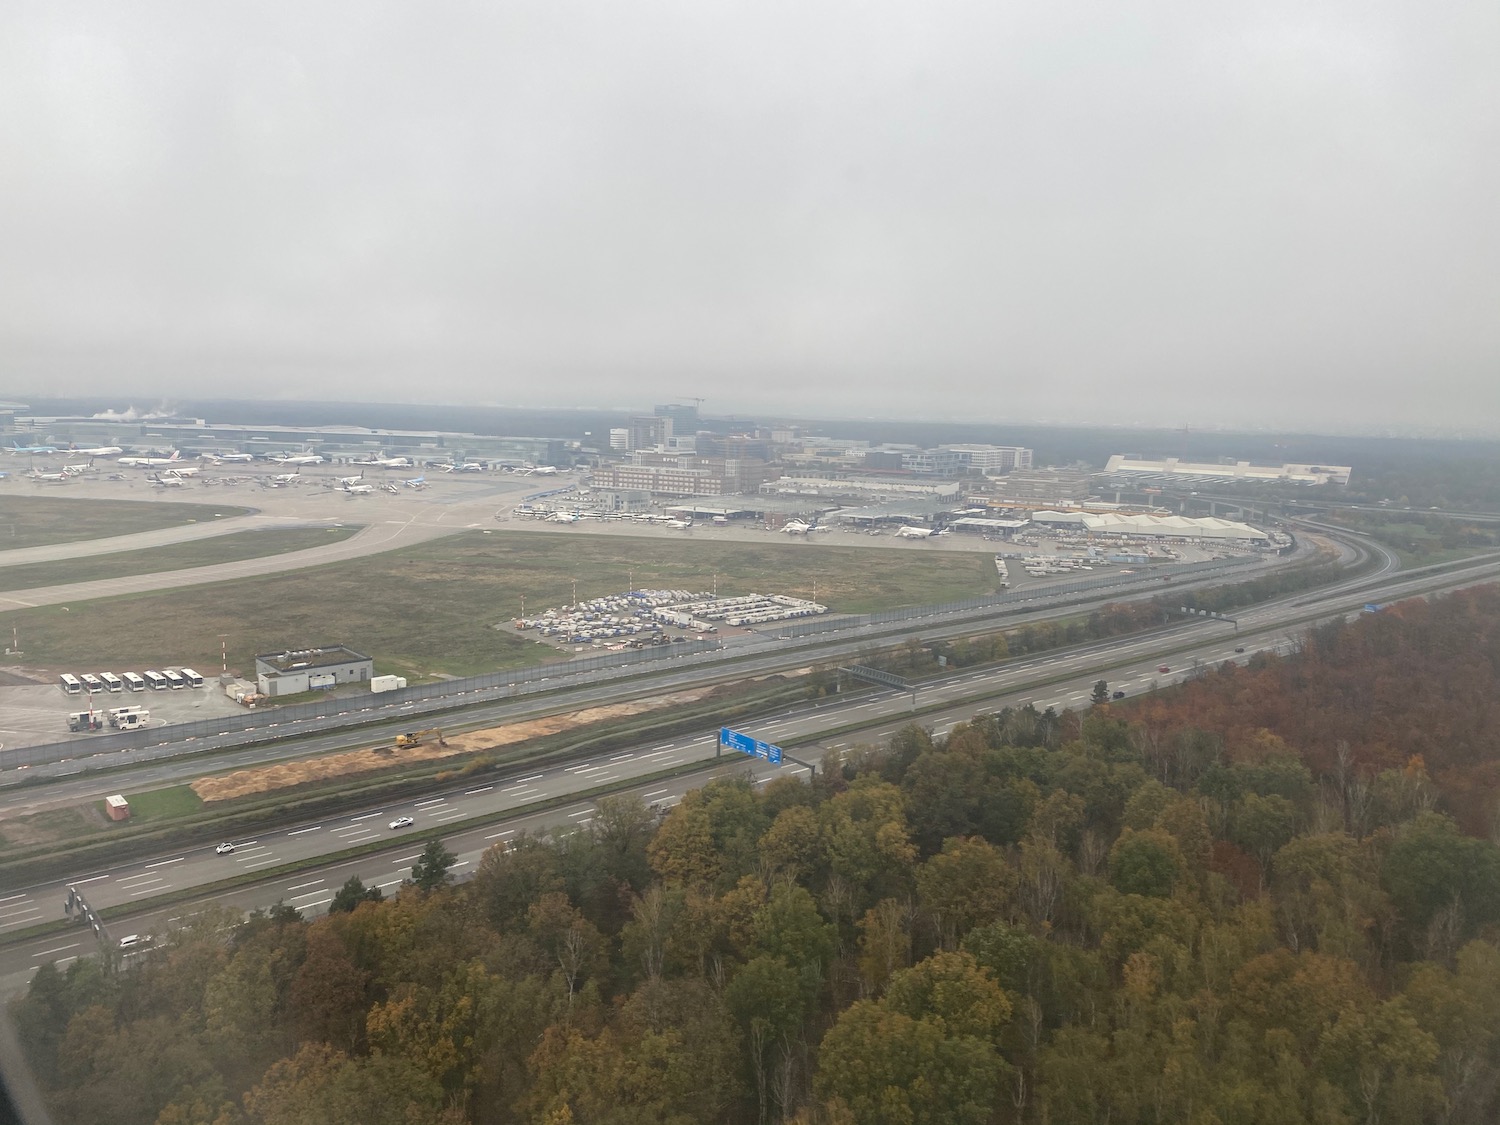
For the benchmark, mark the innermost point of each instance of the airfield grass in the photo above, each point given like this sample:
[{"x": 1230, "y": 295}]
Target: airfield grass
[
  {"x": 431, "y": 610},
  {"x": 163, "y": 804},
  {"x": 36, "y": 521},
  {"x": 233, "y": 547}
]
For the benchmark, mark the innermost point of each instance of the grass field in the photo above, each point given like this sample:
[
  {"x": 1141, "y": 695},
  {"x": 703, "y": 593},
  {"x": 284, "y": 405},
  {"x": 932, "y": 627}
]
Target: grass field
[
  {"x": 179, "y": 556},
  {"x": 163, "y": 804},
  {"x": 34, "y": 521},
  {"x": 430, "y": 610}
]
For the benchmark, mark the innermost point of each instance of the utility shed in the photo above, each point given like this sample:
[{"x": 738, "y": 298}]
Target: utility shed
[
  {"x": 117, "y": 807},
  {"x": 294, "y": 671}
]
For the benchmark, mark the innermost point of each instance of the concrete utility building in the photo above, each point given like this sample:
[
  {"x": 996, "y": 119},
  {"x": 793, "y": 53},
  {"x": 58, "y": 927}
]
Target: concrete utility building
[
  {"x": 308, "y": 669},
  {"x": 1142, "y": 526},
  {"x": 1201, "y": 472}
]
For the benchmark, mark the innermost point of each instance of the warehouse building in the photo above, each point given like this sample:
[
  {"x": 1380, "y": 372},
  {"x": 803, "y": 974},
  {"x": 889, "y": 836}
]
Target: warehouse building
[
  {"x": 309, "y": 669},
  {"x": 1143, "y": 526},
  {"x": 1174, "y": 470}
]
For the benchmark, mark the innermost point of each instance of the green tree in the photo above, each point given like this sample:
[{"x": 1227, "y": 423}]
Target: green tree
[
  {"x": 1145, "y": 862},
  {"x": 431, "y": 869},
  {"x": 351, "y": 894},
  {"x": 1100, "y": 693}
]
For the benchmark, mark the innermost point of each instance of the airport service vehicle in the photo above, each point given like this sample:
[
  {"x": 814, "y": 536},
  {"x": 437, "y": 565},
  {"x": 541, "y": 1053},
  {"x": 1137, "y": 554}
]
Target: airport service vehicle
[
  {"x": 134, "y": 721},
  {"x": 416, "y": 738},
  {"x": 402, "y": 822},
  {"x": 85, "y": 720},
  {"x": 134, "y": 682},
  {"x": 117, "y": 713},
  {"x": 224, "y": 848},
  {"x": 70, "y": 684},
  {"x": 112, "y": 682}
]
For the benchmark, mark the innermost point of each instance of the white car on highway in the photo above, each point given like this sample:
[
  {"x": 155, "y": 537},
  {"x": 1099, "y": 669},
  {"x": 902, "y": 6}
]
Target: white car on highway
[{"x": 402, "y": 822}]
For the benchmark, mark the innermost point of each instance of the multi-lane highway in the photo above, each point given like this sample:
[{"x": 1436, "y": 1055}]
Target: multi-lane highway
[{"x": 470, "y": 819}]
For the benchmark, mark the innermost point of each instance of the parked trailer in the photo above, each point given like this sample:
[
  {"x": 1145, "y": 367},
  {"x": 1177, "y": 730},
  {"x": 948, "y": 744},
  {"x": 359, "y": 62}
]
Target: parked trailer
[
  {"x": 70, "y": 684},
  {"x": 193, "y": 679},
  {"x": 387, "y": 683},
  {"x": 155, "y": 680},
  {"x": 174, "y": 678},
  {"x": 134, "y": 682},
  {"x": 112, "y": 682}
]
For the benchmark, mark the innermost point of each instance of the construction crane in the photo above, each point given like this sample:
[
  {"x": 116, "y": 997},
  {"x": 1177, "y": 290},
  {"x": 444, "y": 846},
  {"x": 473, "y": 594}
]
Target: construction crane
[{"x": 416, "y": 738}]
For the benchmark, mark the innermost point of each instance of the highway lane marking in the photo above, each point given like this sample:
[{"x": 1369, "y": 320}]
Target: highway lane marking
[
  {"x": 12, "y": 898},
  {"x": 392, "y": 883},
  {"x": 525, "y": 792},
  {"x": 314, "y": 883},
  {"x": 90, "y": 879},
  {"x": 311, "y": 894},
  {"x": 622, "y": 757},
  {"x": 606, "y": 777},
  {"x": 151, "y": 890},
  {"x": 64, "y": 961},
  {"x": 668, "y": 750},
  {"x": 448, "y": 814},
  {"x": 498, "y": 835},
  {"x": 299, "y": 831},
  {"x": 658, "y": 793},
  {"x": 583, "y": 812},
  {"x": 365, "y": 816},
  {"x": 433, "y": 801},
  {"x": 262, "y": 862},
  {"x": 471, "y": 792},
  {"x": 164, "y": 862},
  {"x": 138, "y": 878},
  {"x": 20, "y": 912},
  {"x": 59, "y": 949},
  {"x": 576, "y": 769}
]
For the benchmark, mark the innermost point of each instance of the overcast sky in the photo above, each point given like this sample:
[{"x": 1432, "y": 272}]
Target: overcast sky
[{"x": 1278, "y": 213}]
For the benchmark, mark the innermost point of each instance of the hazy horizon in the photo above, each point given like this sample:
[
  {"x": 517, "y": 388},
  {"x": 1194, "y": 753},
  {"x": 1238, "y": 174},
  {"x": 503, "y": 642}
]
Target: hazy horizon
[{"x": 1168, "y": 216}]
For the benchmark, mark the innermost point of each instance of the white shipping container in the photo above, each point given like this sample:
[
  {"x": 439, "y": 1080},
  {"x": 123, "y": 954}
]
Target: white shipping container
[{"x": 387, "y": 683}]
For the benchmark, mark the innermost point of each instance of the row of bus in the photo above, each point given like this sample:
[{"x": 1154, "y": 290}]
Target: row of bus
[{"x": 169, "y": 679}]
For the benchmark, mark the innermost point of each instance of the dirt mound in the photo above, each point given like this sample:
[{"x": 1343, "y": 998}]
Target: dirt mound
[{"x": 284, "y": 775}]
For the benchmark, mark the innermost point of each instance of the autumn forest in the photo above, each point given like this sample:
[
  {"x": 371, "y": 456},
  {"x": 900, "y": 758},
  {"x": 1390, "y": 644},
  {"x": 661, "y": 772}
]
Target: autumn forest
[{"x": 1268, "y": 896}]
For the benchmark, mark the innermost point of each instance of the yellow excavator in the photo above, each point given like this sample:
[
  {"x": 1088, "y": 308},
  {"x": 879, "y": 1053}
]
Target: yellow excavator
[{"x": 417, "y": 737}]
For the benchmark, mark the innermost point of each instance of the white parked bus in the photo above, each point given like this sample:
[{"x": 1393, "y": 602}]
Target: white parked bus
[
  {"x": 92, "y": 682},
  {"x": 70, "y": 684},
  {"x": 134, "y": 682},
  {"x": 112, "y": 682},
  {"x": 193, "y": 678},
  {"x": 155, "y": 680},
  {"x": 174, "y": 678}
]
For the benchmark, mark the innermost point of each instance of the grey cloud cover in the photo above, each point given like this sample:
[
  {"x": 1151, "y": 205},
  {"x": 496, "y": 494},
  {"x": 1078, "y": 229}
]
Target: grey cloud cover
[{"x": 1278, "y": 213}]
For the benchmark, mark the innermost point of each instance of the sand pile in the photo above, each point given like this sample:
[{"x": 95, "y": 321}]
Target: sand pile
[{"x": 283, "y": 775}]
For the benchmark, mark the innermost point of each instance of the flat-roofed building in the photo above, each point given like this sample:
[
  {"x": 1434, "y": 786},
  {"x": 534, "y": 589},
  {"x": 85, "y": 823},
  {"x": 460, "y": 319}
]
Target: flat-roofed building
[
  {"x": 309, "y": 669},
  {"x": 1228, "y": 471}
]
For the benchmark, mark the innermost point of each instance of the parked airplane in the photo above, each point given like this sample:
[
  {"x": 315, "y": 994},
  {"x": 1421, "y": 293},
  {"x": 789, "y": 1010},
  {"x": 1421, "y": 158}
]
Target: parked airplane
[
  {"x": 284, "y": 478},
  {"x": 97, "y": 451},
  {"x": 383, "y": 462},
  {"x": 916, "y": 533},
  {"x": 562, "y": 517},
  {"x": 300, "y": 459},
  {"x": 14, "y": 448},
  {"x": 796, "y": 527},
  {"x": 184, "y": 470},
  {"x": 349, "y": 482},
  {"x": 232, "y": 458},
  {"x": 151, "y": 462},
  {"x": 56, "y": 478},
  {"x": 465, "y": 467},
  {"x": 358, "y": 489},
  {"x": 415, "y": 482},
  {"x": 678, "y": 525},
  {"x": 168, "y": 481}
]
